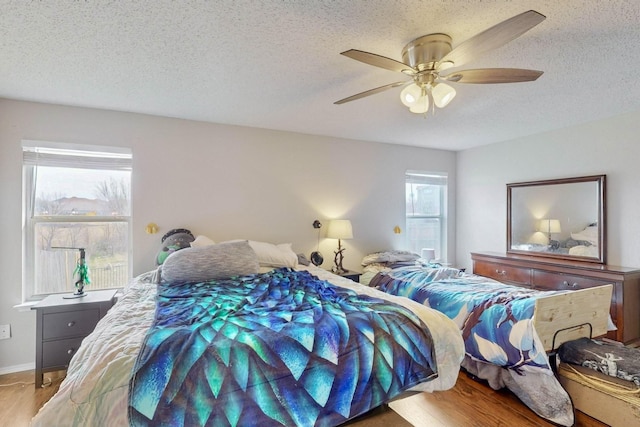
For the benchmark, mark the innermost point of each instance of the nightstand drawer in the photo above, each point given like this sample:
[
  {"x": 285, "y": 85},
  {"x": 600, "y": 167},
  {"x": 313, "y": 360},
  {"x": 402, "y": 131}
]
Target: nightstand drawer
[
  {"x": 69, "y": 323},
  {"x": 562, "y": 282},
  {"x": 503, "y": 273},
  {"x": 59, "y": 353}
]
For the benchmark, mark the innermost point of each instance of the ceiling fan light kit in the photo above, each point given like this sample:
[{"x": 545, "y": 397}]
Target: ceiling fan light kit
[{"x": 425, "y": 58}]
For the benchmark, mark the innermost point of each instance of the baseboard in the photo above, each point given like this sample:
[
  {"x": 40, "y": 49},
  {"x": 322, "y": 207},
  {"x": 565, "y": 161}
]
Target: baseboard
[{"x": 17, "y": 368}]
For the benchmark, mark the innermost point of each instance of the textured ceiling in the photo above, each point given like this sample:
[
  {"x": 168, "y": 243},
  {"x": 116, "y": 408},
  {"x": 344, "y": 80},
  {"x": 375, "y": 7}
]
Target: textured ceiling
[{"x": 275, "y": 64}]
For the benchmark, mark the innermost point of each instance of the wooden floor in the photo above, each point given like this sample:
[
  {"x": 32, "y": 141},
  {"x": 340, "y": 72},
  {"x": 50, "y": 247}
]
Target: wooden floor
[{"x": 469, "y": 403}]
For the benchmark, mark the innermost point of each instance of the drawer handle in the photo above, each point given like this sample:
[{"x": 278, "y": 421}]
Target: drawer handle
[
  {"x": 71, "y": 324},
  {"x": 572, "y": 285},
  {"x": 501, "y": 273},
  {"x": 71, "y": 351}
]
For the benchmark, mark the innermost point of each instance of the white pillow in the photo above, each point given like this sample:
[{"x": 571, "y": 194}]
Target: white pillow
[
  {"x": 202, "y": 241},
  {"x": 590, "y": 234},
  {"x": 274, "y": 255}
]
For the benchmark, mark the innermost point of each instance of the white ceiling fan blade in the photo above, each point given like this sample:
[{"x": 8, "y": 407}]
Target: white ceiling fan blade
[
  {"x": 494, "y": 37},
  {"x": 379, "y": 61},
  {"x": 493, "y": 75},
  {"x": 370, "y": 92}
]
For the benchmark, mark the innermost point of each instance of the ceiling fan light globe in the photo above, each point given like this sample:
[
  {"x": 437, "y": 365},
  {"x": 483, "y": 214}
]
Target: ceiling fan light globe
[
  {"x": 421, "y": 106},
  {"x": 442, "y": 94},
  {"x": 410, "y": 95}
]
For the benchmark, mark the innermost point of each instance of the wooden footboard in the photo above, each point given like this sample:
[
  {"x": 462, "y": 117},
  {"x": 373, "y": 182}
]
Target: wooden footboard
[{"x": 572, "y": 311}]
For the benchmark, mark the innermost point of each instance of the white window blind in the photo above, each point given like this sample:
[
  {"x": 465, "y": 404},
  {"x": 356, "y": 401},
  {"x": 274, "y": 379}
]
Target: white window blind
[{"x": 426, "y": 212}]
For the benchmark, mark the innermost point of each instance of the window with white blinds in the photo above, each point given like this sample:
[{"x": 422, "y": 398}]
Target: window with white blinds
[
  {"x": 426, "y": 212},
  {"x": 75, "y": 196}
]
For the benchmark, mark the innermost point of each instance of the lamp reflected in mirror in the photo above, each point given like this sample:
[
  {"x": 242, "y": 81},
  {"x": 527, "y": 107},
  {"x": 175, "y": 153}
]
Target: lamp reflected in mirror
[{"x": 549, "y": 227}]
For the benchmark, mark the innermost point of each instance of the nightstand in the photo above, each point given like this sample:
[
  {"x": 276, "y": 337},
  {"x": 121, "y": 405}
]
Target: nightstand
[
  {"x": 62, "y": 324},
  {"x": 352, "y": 275}
]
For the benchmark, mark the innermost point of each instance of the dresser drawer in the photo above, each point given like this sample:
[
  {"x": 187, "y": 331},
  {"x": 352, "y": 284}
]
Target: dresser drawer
[
  {"x": 59, "y": 353},
  {"x": 78, "y": 323},
  {"x": 503, "y": 273},
  {"x": 562, "y": 282}
]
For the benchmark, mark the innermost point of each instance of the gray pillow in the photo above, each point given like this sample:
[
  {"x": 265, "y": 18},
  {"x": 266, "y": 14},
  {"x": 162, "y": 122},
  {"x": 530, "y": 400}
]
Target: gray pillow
[{"x": 205, "y": 263}]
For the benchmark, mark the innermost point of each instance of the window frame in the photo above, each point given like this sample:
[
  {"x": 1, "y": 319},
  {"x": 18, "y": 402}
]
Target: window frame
[
  {"x": 430, "y": 178},
  {"x": 83, "y": 157}
]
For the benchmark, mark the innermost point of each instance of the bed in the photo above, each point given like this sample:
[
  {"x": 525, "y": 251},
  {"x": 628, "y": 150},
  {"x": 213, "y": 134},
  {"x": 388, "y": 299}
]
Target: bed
[
  {"x": 508, "y": 330},
  {"x": 340, "y": 348}
]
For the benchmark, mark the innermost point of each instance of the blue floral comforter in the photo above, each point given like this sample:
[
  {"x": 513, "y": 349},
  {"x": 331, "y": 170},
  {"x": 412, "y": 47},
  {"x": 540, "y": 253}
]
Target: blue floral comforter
[
  {"x": 495, "y": 319},
  {"x": 280, "y": 348}
]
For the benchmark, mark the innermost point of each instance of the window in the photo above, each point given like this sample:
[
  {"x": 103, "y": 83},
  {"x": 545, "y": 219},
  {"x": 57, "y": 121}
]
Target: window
[
  {"x": 75, "y": 197},
  {"x": 426, "y": 208}
]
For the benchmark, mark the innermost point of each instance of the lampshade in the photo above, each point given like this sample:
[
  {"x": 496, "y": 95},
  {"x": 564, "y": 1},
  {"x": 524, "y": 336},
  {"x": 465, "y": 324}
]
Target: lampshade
[
  {"x": 428, "y": 254},
  {"x": 340, "y": 229},
  {"x": 442, "y": 94},
  {"x": 550, "y": 226}
]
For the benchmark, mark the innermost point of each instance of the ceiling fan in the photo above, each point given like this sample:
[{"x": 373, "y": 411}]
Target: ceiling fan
[{"x": 428, "y": 60}]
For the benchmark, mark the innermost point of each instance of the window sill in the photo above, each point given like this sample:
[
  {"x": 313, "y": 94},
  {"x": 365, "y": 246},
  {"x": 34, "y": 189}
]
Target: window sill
[{"x": 26, "y": 306}]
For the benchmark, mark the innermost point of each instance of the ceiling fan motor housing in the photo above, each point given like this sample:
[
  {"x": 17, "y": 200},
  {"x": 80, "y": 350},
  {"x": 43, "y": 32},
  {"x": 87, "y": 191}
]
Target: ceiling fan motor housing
[{"x": 424, "y": 52}]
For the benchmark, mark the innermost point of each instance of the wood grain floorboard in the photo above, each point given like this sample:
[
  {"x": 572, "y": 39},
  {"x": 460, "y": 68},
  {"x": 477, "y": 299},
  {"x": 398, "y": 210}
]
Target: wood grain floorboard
[{"x": 469, "y": 403}]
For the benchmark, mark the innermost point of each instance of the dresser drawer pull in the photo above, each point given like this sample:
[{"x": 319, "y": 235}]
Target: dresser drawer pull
[
  {"x": 71, "y": 351},
  {"x": 572, "y": 285},
  {"x": 501, "y": 272},
  {"x": 71, "y": 324}
]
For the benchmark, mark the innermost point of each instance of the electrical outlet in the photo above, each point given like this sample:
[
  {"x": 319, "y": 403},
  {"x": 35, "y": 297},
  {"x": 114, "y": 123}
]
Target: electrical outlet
[{"x": 5, "y": 332}]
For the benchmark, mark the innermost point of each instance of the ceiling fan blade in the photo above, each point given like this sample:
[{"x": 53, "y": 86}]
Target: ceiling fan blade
[
  {"x": 493, "y": 37},
  {"x": 493, "y": 75},
  {"x": 371, "y": 92},
  {"x": 379, "y": 61}
]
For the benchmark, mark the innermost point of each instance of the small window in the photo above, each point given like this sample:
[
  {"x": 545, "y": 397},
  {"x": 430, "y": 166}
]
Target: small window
[
  {"x": 75, "y": 197},
  {"x": 426, "y": 210}
]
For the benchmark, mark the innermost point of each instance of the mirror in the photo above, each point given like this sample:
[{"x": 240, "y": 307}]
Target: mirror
[{"x": 560, "y": 218}]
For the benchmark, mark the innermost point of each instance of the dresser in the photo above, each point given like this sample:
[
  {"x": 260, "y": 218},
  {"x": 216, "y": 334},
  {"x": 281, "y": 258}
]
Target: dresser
[
  {"x": 551, "y": 274},
  {"x": 62, "y": 324}
]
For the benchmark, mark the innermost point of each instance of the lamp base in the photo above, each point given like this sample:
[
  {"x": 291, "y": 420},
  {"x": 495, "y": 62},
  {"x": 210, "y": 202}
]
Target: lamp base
[
  {"x": 75, "y": 295},
  {"x": 339, "y": 271},
  {"x": 79, "y": 293}
]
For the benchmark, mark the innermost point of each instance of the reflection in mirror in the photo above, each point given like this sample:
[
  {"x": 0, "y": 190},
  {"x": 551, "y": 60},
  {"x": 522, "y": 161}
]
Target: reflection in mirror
[{"x": 562, "y": 218}]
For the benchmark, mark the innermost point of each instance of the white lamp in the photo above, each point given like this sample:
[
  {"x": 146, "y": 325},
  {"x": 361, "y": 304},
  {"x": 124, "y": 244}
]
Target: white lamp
[
  {"x": 428, "y": 254},
  {"x": 339, "y": 229}
]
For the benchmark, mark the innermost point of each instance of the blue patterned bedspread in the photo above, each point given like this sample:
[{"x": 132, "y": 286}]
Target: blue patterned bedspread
[
  {"x": 495, "y": 319},
  {"x": 281, "y": 348}
]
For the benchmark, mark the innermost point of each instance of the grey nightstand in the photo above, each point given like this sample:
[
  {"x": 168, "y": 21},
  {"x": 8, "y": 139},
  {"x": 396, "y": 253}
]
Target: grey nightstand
[
  {"x": 62, "y": 324},
  {"x": 353, "y": 275}
]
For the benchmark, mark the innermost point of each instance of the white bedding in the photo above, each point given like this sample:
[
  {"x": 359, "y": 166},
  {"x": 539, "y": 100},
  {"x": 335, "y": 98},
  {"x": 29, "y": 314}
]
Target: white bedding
[{"x": 95, "y": 391}]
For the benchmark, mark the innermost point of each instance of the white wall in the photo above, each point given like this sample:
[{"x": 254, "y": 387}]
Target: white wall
[
  {"x": 222, "y": 181},
  {"x": 609, "y": 146}
]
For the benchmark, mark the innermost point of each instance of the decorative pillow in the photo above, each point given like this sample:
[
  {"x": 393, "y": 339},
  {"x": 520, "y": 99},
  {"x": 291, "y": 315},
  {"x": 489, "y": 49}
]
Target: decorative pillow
[
  {"x": 274, "y": 255},
  {"x": 202, "y": 241},
  {"x": 203, "y": 263}
]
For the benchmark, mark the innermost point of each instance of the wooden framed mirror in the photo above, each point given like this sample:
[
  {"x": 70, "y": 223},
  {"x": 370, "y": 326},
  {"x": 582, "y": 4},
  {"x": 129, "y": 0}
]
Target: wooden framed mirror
[{"x": 559, "y": 218}]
